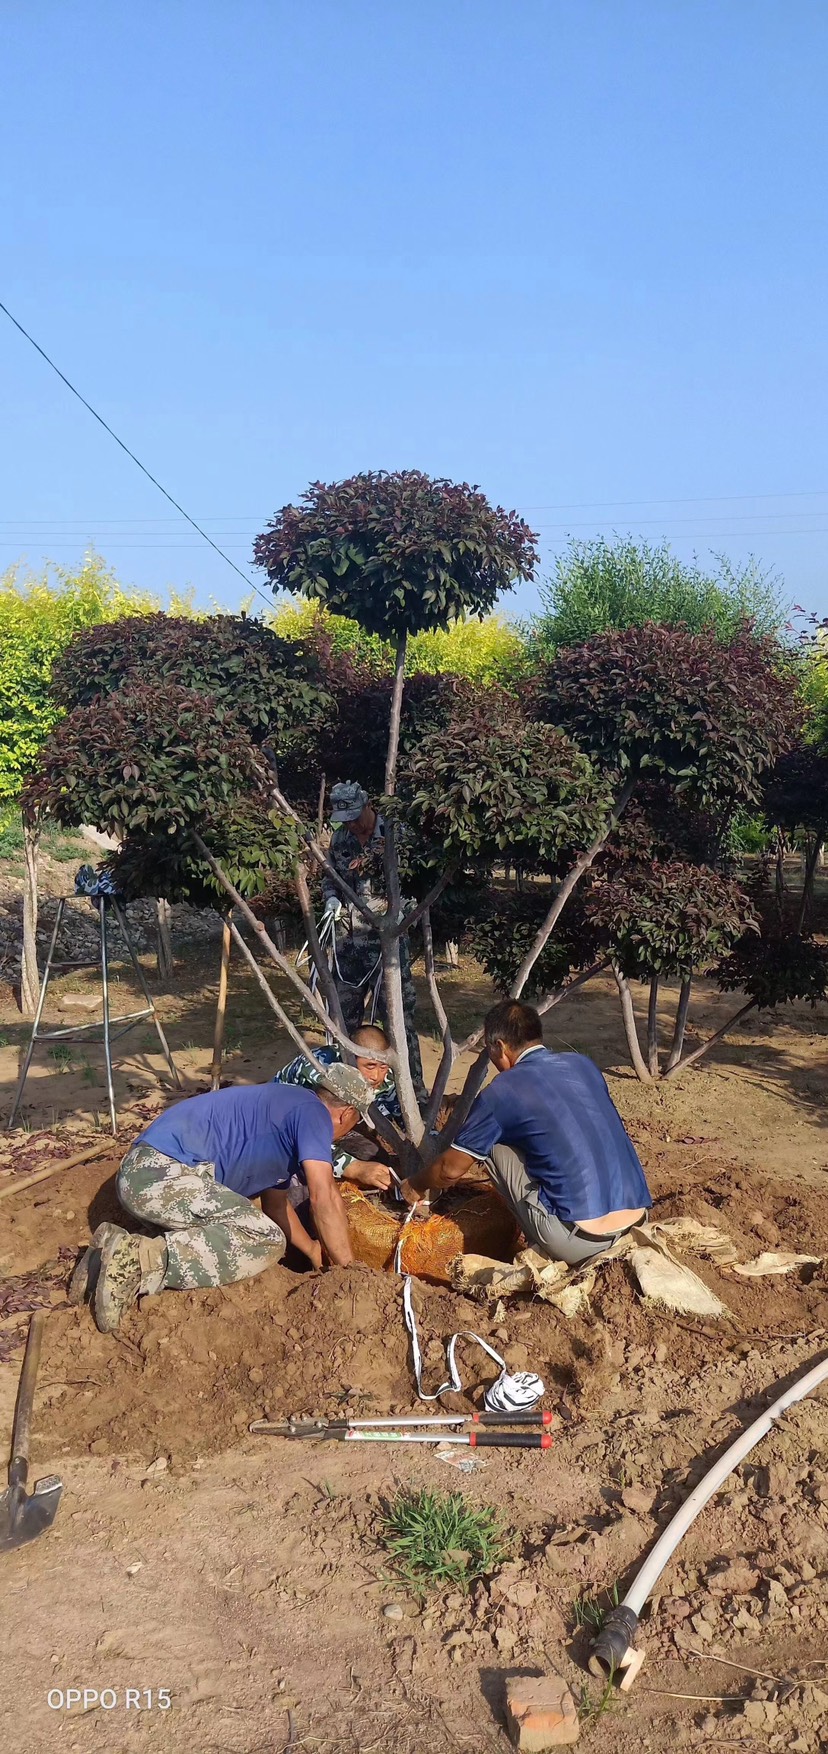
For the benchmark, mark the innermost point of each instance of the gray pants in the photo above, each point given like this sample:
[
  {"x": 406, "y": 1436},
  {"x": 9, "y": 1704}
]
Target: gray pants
[{"x": 541, "y": 1228}]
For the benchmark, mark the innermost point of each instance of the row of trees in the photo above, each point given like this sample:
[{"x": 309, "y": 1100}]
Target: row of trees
[{"x": 609, "y": 774}]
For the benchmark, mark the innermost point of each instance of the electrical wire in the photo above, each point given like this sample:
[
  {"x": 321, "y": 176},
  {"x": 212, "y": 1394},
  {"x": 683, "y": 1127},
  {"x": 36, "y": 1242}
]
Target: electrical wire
[{"x": 131, "y": 454}]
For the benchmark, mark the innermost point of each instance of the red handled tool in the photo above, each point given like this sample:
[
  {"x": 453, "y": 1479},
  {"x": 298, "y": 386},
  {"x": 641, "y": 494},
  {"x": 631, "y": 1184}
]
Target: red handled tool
[{"x": 380, "y": 1430}]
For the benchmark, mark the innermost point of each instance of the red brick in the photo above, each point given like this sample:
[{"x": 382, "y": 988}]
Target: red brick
[{"x": 540, "y": 1713}]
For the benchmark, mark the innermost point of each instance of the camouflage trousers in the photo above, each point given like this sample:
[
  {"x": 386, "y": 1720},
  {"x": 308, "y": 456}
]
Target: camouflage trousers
[
  {"x": 360, "y": 968},
  {"x": 213, "y": 1235}
]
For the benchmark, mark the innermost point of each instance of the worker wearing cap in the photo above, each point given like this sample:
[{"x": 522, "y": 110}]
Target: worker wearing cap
[
  {"x": 356, "y": 852},
  {"x": 364, "y": 1172},
  {"x": 194, "y": 1173}
]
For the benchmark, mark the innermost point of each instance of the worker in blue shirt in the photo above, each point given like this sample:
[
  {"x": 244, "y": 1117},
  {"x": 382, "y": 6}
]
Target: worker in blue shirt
[
  {"x": 552, "y": 1141},
  {"x": 194, "y": 1173}
]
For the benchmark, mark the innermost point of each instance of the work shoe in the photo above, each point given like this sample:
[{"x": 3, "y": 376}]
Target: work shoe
[
  {"x": 119, "y": 1278},
  {"x": 84, "y": 1278}
]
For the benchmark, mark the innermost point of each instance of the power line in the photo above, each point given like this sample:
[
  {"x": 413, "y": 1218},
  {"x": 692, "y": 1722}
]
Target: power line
[{"x": 131, "y": 454}]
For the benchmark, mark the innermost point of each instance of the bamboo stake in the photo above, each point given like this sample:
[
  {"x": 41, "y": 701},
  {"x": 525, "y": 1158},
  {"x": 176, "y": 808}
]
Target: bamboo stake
[{"x": 221, "y": 1007}]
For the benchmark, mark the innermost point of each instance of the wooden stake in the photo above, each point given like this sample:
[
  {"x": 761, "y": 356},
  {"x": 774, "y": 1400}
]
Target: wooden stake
[
  {"x": 221, "y": 1007},
  {"x": 19, "y": 1183}
]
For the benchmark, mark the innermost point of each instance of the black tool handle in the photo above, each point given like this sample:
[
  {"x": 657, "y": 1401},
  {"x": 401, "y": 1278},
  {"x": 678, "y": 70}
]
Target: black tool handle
[
  {"x": 538, "y": 1416},
  {"x": 22, "y": 1428},
  {"x": 510, "y": 1440}
]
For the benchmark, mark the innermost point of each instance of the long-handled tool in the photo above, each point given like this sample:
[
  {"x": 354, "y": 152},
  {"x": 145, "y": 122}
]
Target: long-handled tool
[
  {"x": 24, "y": 1517},
  {"x": 377, "y": 1430}
]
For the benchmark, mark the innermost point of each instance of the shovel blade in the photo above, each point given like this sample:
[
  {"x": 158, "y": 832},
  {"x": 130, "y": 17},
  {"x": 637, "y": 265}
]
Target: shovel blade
[{"x": 23, "y": 1518}]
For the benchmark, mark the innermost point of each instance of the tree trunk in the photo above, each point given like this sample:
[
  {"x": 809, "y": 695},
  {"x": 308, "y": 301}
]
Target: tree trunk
[
  {"x": 389, "y": 936},
  {"x": 438, "y": 1088},
  {"x": 221, "y": 1007},
  {"x": 779, "y": 880},
  {"x": 327, "y": 984},
  {"x": 164, "y": 959},
  {"x": 810, "y": 859},
  {"x": 677, "y": 1043},
  {"x": 652, "y": 1028},
  {"x": 628, "y": 1013},
  {"x": 673, "y": 1071},
  {"x": 29, "y": 978}
]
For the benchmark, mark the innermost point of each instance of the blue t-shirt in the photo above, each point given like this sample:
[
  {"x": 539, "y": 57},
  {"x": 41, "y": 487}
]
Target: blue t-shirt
[
  {"x": 556, "y": 1110},
  {"x": 258, "y": 1135}
]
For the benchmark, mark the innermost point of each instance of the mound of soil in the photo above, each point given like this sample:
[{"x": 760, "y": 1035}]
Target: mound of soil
[{"x": 188, "y": 1371}]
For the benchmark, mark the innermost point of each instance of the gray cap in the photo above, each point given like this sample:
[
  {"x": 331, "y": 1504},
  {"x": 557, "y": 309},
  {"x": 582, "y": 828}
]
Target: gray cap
[
  {"x": 348, "y": 800},
  {"x": 349, "y": 1085}
]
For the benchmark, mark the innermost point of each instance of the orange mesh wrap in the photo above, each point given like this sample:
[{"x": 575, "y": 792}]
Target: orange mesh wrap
[{"x": 479, "y": 1224}]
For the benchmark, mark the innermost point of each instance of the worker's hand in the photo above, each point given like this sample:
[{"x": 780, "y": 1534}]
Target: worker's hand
[
  {"x": 369, "y": 1175},
  {"x": 333, "y": 906},
  {"x": 315, "y": 1257},
  {"x": 413, "y": 1198}
]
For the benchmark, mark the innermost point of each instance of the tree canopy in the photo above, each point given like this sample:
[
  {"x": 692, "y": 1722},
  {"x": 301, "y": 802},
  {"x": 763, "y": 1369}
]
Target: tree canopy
[
  {"x": 399, "y": 553},
  {"x": 39, "y": 616},
  {"x": 601, "y": 584}
]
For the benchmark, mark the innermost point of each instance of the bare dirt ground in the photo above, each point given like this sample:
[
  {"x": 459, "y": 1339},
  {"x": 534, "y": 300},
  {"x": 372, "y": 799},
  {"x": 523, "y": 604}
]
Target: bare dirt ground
[{"x": 247, "y": 1575}]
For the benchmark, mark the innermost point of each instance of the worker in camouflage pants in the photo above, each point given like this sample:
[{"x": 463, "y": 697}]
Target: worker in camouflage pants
[
  {"x": 194, "y": 1174},
  {"x": 356, "y": 852}
]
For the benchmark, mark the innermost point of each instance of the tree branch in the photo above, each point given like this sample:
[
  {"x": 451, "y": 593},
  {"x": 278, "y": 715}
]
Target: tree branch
[
  {"x": 324, "y": 863},
  {"x": 293, "y": 1032},
  {"x": 320, "y": 961},
  {"x": 308, "y": 998},
  {"x": 578, "y": 980},
  {"x": 438, "y": 1088},
  {"x": 572, "y": 878},
  {"x": 673, "y": 1071},
  {"x": 409, "y": 921}
]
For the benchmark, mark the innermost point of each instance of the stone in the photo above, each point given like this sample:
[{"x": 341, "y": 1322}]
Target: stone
[
  {"x": 703, "y": 1628},
  {"x": 736, "y": 1579},
  {"x": 638, "y": 1499},
  {"x": 540, "y": 1713},
  {"x": 777, "y": 1598},
  {"x": 392, "y": 1611},
  {"x": 522, "y": 1594},
  {"x": 773, "y": 1480},
  {"x": 505, "y": 1640}
]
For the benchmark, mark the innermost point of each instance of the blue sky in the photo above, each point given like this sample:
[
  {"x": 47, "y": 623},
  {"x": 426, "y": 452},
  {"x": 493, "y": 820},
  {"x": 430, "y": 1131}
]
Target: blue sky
[{"x": 573, "y": 250}]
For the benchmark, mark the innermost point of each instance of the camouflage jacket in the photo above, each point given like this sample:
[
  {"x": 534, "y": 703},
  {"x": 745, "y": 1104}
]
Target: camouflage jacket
[{"x": 361, "y": 867}]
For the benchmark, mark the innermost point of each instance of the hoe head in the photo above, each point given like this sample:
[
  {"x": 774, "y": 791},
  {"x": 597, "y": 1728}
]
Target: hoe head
[{"x": 24, "y": 1516}]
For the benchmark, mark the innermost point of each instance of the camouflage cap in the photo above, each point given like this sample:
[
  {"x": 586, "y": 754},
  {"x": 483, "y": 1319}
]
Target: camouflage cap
[
  {"x": 348, "y": 800},
  {"x": 349, "y": 1085}
]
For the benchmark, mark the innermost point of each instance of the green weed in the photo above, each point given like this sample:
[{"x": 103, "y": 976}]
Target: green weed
[
  {"x": 438, "y": 1539},
  {"x": 63, "y": 1057},
  {"x": 591, "y": 1709},
  {"x": 591, "y": 1611}
]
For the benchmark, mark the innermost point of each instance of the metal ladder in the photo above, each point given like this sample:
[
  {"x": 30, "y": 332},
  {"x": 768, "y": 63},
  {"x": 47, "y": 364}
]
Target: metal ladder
[{"x": 103, "y": 903}]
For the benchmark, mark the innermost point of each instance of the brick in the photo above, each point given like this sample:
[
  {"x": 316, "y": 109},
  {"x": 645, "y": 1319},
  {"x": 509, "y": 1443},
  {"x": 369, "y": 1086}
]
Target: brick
[{"x": 540, "y": 1713}]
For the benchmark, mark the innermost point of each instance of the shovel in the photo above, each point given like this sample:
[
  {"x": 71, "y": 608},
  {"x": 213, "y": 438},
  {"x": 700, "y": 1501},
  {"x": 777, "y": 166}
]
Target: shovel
[{"x": 23, "y": 1518}]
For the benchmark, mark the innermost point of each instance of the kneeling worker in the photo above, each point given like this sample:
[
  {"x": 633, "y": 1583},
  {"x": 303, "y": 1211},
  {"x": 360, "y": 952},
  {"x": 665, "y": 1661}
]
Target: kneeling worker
[
  {"x": 193, "y": 1174},
  {"x": 365, "y": 1173},
  {"x": 552, "y": 1140}
]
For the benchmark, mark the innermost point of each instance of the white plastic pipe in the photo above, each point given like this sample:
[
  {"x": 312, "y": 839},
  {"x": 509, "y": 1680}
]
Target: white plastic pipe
[{"x": 606, "y": 1647}]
